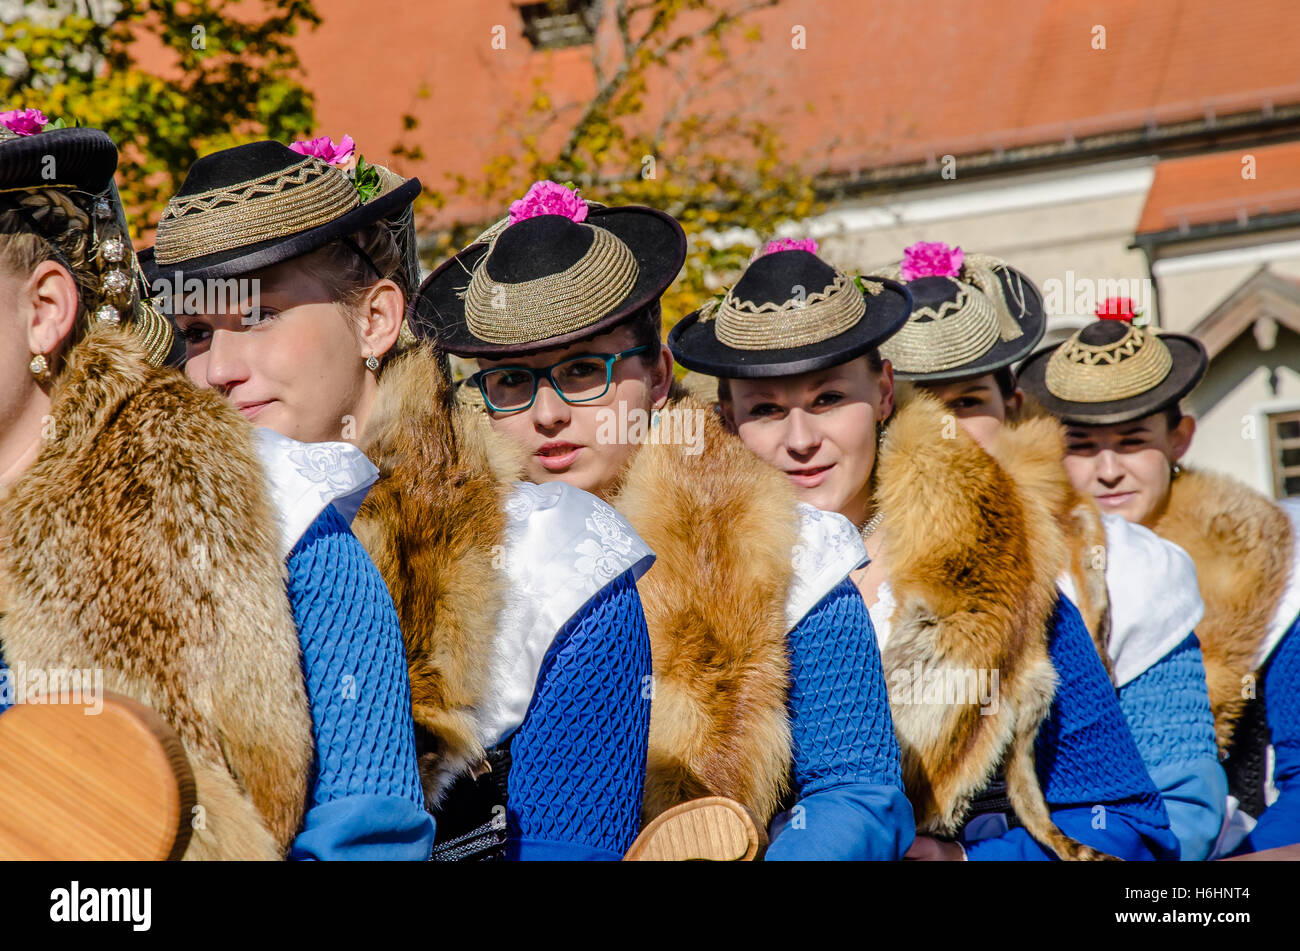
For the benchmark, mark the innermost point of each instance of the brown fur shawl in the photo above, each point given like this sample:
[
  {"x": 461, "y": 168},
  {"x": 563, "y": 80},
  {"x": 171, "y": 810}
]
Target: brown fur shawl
[
  {"x": 974, "y": 545},
  {"x": 142, "y": 542},
  {"x": 723, "y": 526},
  {"x": 434, "y": 525},
  {"x": 1242, "y": 546}
]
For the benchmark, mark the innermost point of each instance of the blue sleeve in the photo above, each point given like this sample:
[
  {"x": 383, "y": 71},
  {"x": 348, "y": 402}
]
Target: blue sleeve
[
  {"x": 6, "y": 683},
  {"x": 366, "y": 801},
  {"x": 577, "y": 769},
  {"x": 1168, "y": 712},
  {"x": 847, "y": 776},
  {"x": 1088, "y": 764},
  {"x": 1280, "y": 823}
]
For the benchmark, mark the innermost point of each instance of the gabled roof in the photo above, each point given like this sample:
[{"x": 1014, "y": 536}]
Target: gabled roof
[{"x": 1263, "y": 295}]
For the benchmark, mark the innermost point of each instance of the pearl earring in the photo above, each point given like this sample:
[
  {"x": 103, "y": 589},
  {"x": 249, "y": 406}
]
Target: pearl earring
[
  {"x": 38, "y": 366},
  {"x": 372, "y": 362}
]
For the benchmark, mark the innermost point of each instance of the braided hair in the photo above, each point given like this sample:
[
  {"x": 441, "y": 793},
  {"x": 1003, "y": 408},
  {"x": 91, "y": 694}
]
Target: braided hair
[{"x": 44, "y": 224}]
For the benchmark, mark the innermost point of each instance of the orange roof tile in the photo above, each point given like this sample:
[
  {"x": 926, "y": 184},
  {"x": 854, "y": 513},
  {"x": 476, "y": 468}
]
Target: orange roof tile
[{"x": 1205, "y": 189}]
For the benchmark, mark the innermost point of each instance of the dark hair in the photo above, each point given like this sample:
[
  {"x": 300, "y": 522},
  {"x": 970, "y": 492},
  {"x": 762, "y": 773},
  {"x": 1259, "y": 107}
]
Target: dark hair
[
  {"x": 874, "y": 361},
  {"x": 1173, "y": 415},
  {"x": 647, "y": 327},
  {"x": 1006, "y": 381}
]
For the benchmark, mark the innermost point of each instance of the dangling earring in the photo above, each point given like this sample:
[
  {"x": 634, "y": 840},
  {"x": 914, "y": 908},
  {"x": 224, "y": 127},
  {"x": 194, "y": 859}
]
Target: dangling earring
[
  {"x": 39, "y": 366},
  {"x": 1175, "y": 471},
  {"x": 372, "y": 362}
]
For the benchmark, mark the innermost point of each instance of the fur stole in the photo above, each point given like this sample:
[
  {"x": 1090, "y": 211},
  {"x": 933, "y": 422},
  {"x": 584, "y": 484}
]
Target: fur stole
[
  {"x": 974, "y": 545},
  {"x": 723, "y": 526},
  {"x": 141, "y": 542},
  {"x": 1242, "y": 546},
  {"x": 434, "y": 524}
]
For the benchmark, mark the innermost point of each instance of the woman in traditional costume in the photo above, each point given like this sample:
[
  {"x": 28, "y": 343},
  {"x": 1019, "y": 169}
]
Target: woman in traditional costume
[
  {"x": 1116, "y": 386},
  {"x": 528, "y": 657},
  {"x": 992, "y": 675},
  {"x": 1136, "y": 592},
  {"x": 767, "y": 687},
  {"x": 147, "y": 530}
]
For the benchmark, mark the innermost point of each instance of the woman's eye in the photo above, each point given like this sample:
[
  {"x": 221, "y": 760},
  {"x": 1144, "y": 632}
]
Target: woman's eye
[
  {"x": 584, "y": 369},
  {"x": 828, "y": 399},
  {"x": 195, "y": 334},
  {"x": 255, "y": 318},
  {"x": 765, "y": 409},
  {"x": 514, "y": 378}
]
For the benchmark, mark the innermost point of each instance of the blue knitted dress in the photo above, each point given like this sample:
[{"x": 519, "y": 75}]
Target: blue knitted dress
[
  {"x": 1280, "y": 823},
  {"x": 847, "y": 779},
  {"x": 1168, "y": 711},
  {"x": 365, "y": 801},
  {"x": 578, "y": 759},
  {"x": 1092, "y": 774}
]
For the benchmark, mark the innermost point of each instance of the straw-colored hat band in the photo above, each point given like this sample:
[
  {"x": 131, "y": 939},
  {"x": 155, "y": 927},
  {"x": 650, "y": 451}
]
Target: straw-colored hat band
[
  {"x": 957, "y": 332},
  {"x": 1131, "y": 365},
  {"x": 299, "y": 198},
  {"x": 744, "y": 325},
  {"x": 555, "y": 304}
]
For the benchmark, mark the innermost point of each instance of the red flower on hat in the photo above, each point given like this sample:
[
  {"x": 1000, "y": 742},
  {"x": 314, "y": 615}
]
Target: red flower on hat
[
  {"x": 548, "y": 198},
  {"x": 931, "y": 259},
  {"x": 1117, "y": 308}
]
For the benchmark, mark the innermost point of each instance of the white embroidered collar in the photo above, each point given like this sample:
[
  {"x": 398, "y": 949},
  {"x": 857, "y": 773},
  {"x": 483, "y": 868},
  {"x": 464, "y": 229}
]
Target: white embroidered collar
[
  {"x": 829, "y": 547},
  {"x": 306, "y": 478}
]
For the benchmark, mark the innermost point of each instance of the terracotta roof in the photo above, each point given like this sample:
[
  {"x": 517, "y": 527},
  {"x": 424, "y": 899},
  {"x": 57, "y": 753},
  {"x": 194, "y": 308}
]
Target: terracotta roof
[
  {"x": 1207, "y": 189},
  {"x": 878, "y": 84}
]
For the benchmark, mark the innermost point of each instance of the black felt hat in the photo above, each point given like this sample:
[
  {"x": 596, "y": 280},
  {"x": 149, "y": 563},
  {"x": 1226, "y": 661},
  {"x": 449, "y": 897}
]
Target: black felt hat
[
  {"x": 79, "y": 163},
  {"x": 1112, "y": 372},
  {"x": 985, "y": 317},
  {"x": 548, "y": 281},
  {"x": 789, "y": 313},
  {"x": 84, "y": 159},
  {"x": 256, "y": 205}
]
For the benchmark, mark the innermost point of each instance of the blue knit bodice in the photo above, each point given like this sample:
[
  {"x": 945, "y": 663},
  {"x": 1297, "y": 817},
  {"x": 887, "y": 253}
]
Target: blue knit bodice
[
  {"x": 1088, "y": 763},
  {"x": 578, "y": 760},
  {"x": 365, "y": 799},
  {"x": 847, "y": 778}
]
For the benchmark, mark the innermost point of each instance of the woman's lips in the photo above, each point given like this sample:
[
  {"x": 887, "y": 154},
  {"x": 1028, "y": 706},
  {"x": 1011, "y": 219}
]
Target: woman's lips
[
  {"x": 557, "y": 456},
  {"x": 811, "y": 477},
  {"x": 252, "y": 409},
  {"x": 1116, "y": 499}
]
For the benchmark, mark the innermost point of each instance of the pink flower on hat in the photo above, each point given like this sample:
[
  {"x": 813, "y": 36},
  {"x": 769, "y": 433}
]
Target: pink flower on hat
[
  {"x": 24, "y": 121},
  {"x": 931, "y": 259},
  {"x": 326, "y": 149},
  {"x": 1117, "y": 308},
  {"x": 548, "y": 198},
  {"x": 789, "y": 244}
]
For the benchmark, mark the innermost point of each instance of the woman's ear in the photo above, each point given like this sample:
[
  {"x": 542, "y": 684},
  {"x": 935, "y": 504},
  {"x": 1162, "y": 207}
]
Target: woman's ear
[
  {"x": 661, "y": 377},
  {"x": 1180, "y": 437},
  {"x": 382, "y": 311},
  {"x": 48, "y": 307},
  {"x": 1015, "y": 403},
  {"x": 887, "y": 395}
]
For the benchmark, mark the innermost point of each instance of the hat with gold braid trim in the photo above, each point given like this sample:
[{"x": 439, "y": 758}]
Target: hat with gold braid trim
[
  {"x": 972, "y": 314},
  {"x": 557, "y": 271},
  {"x": 1112, "y": 372},
  {"x": 789, "y": 313},
  {"x": 255, "y": 205},
  {"x": 51, "y": 177}
]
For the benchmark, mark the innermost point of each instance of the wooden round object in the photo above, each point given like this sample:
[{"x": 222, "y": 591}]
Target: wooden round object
[
  {"x": 712, "y": 829},
  {"x": 79, "y": 784}
]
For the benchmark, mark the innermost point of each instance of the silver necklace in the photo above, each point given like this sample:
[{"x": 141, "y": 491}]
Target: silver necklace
[{"x": 872, "y": 524}]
